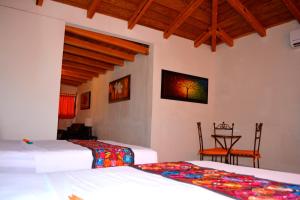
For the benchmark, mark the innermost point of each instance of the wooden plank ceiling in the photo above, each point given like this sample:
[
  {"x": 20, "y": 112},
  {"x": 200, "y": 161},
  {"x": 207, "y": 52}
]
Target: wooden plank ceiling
[
  {"x": 202, "y": 21},
  {"x": 88, "y": 54}
]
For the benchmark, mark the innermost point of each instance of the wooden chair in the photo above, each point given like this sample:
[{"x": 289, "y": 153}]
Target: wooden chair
[
  {"x": 213, "y": 152},
  {"x": 254, "y": 154},
  {"x": 221, "y": 129}
]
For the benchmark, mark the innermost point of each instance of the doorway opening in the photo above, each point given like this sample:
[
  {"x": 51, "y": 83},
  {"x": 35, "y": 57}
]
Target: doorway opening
[{"x": 90, "y": 59}]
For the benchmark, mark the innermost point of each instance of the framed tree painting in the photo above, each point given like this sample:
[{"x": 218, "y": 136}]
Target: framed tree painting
[
  {"x": 85, "y": 100},
  {"x": 119, "y": 90},
  {"x": 184, "y": 87}
]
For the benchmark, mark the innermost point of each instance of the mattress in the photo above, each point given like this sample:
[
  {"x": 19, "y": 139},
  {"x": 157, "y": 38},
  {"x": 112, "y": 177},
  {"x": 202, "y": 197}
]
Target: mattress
[
  {"x": 56, "y": 155},
  {"x": 119, "y": 183}
]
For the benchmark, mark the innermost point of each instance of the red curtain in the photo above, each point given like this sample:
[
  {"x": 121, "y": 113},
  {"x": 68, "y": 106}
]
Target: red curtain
[{"x": 66, "y": 107}]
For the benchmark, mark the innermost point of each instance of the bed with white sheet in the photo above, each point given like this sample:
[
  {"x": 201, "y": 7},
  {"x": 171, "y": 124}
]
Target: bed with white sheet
[
  {"x": 142, "y": 155},
  {"x": 119, "y": 183},
  {"x": 57, "y": 155}
]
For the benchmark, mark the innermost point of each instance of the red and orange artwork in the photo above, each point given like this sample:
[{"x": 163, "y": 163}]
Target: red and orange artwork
[
  {"x": 119, "y": 90},
  {"x": 178, "y": 86}
]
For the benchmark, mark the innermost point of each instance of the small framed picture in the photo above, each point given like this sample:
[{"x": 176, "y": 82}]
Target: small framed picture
[
  {"x": 119, "y": 90},
  {"x": 85, "y": 100}
]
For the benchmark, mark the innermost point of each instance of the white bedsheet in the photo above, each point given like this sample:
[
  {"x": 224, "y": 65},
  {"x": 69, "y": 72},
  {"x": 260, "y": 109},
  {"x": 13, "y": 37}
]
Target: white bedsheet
[
  {"x": 119, "y": 183},
  {"x": 57, "y": 155},
  {"x": 43, "y": 156}
]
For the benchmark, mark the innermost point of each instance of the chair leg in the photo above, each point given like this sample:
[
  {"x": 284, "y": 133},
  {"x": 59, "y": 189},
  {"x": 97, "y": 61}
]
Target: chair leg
[
  {"x": 237, "y": 160},
  {"x": 254, "y": 162},
  {"x": 257, "y": 162},
  {"x": 234, "y": 160}
]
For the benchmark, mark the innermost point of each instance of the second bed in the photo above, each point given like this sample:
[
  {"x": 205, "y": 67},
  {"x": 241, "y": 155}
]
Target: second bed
[{"x": 57, "y": 155}]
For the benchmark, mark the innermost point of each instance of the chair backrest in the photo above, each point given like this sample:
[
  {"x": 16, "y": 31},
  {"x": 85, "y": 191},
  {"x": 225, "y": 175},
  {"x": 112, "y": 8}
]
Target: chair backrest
[
  {"x": 257, "y": 138},
  {"x": 223, "y": 127},
  {"x": 200, "y": 135}
]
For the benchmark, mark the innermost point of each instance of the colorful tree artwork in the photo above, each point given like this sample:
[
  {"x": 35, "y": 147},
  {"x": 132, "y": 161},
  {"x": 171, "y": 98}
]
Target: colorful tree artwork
[{"x": 184, "y": 87}]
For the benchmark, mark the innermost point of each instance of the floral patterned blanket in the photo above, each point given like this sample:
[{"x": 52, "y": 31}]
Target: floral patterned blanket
[
  {"x": 234, "y": 185},
  {"x": 107, "y": 155}
]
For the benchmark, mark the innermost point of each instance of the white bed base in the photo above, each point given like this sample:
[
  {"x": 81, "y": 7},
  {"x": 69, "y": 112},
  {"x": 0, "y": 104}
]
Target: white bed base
[
  {"x": 119, "y": 183},
  {"x": 57, "y": 155}
]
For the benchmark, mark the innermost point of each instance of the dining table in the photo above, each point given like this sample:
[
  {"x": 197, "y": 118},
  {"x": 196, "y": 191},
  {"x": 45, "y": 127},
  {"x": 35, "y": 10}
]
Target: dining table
[{"x": 223, "y": 140}]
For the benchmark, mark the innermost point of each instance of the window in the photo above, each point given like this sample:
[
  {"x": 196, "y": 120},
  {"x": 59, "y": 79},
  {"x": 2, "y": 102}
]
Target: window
[{"x": 67, "y": 105}]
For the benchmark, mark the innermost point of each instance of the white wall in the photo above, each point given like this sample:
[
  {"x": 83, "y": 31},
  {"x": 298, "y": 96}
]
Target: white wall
[
  {"x": 30, "y": 60},
  {"x": 253, "y": 81},
  {"x": 68, "y": 89},
  {"x": 173, "y": 122},
  {"x": 258, "y": 81},
  {"x": 125, "y": 121},
  {"x": 174, "y": 130}
]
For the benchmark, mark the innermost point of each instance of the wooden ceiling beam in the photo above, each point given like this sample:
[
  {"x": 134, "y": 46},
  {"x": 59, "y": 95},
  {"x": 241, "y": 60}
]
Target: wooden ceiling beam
[
  {"x": 224, "y": 37},
  {"x": 214, "y": 22},
  {"x": 75, "y": 75},
  {"x": 98, "y": 48},
  {"x": 139, "y": 13},
  {"x": 292, "y": 8},
  {"x": 202, "y": 38},
  {"x": 248, "y": 16},
  {"x": 91, "y": 10},
  {"x": 178, "y": 6},
  {"x": 132, "y": 46},
  {"x": 39, "y": 2},
  {"x": 93, "y": 55},
  {"x": 87, "y": 61},
  {"x": 71, "y": 78},
  {"x": 188, "y": 10},
  {"x": 83, "y": 67},
  {"x": 69, "y": 82},
  {"x": 80, "y": 71}
]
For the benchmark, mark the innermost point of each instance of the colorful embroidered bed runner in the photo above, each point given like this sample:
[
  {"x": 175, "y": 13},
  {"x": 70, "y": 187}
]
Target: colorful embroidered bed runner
[
  {"x": 107, "y": 155},
  {"x": 234, "y": 185}
]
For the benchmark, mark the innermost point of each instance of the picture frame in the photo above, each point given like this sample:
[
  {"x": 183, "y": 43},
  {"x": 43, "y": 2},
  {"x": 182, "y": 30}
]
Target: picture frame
[
  {"x": 119, "y": 90},
  {"x": 184, "y": 87},
  {"x": 85, "y": 100}
]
